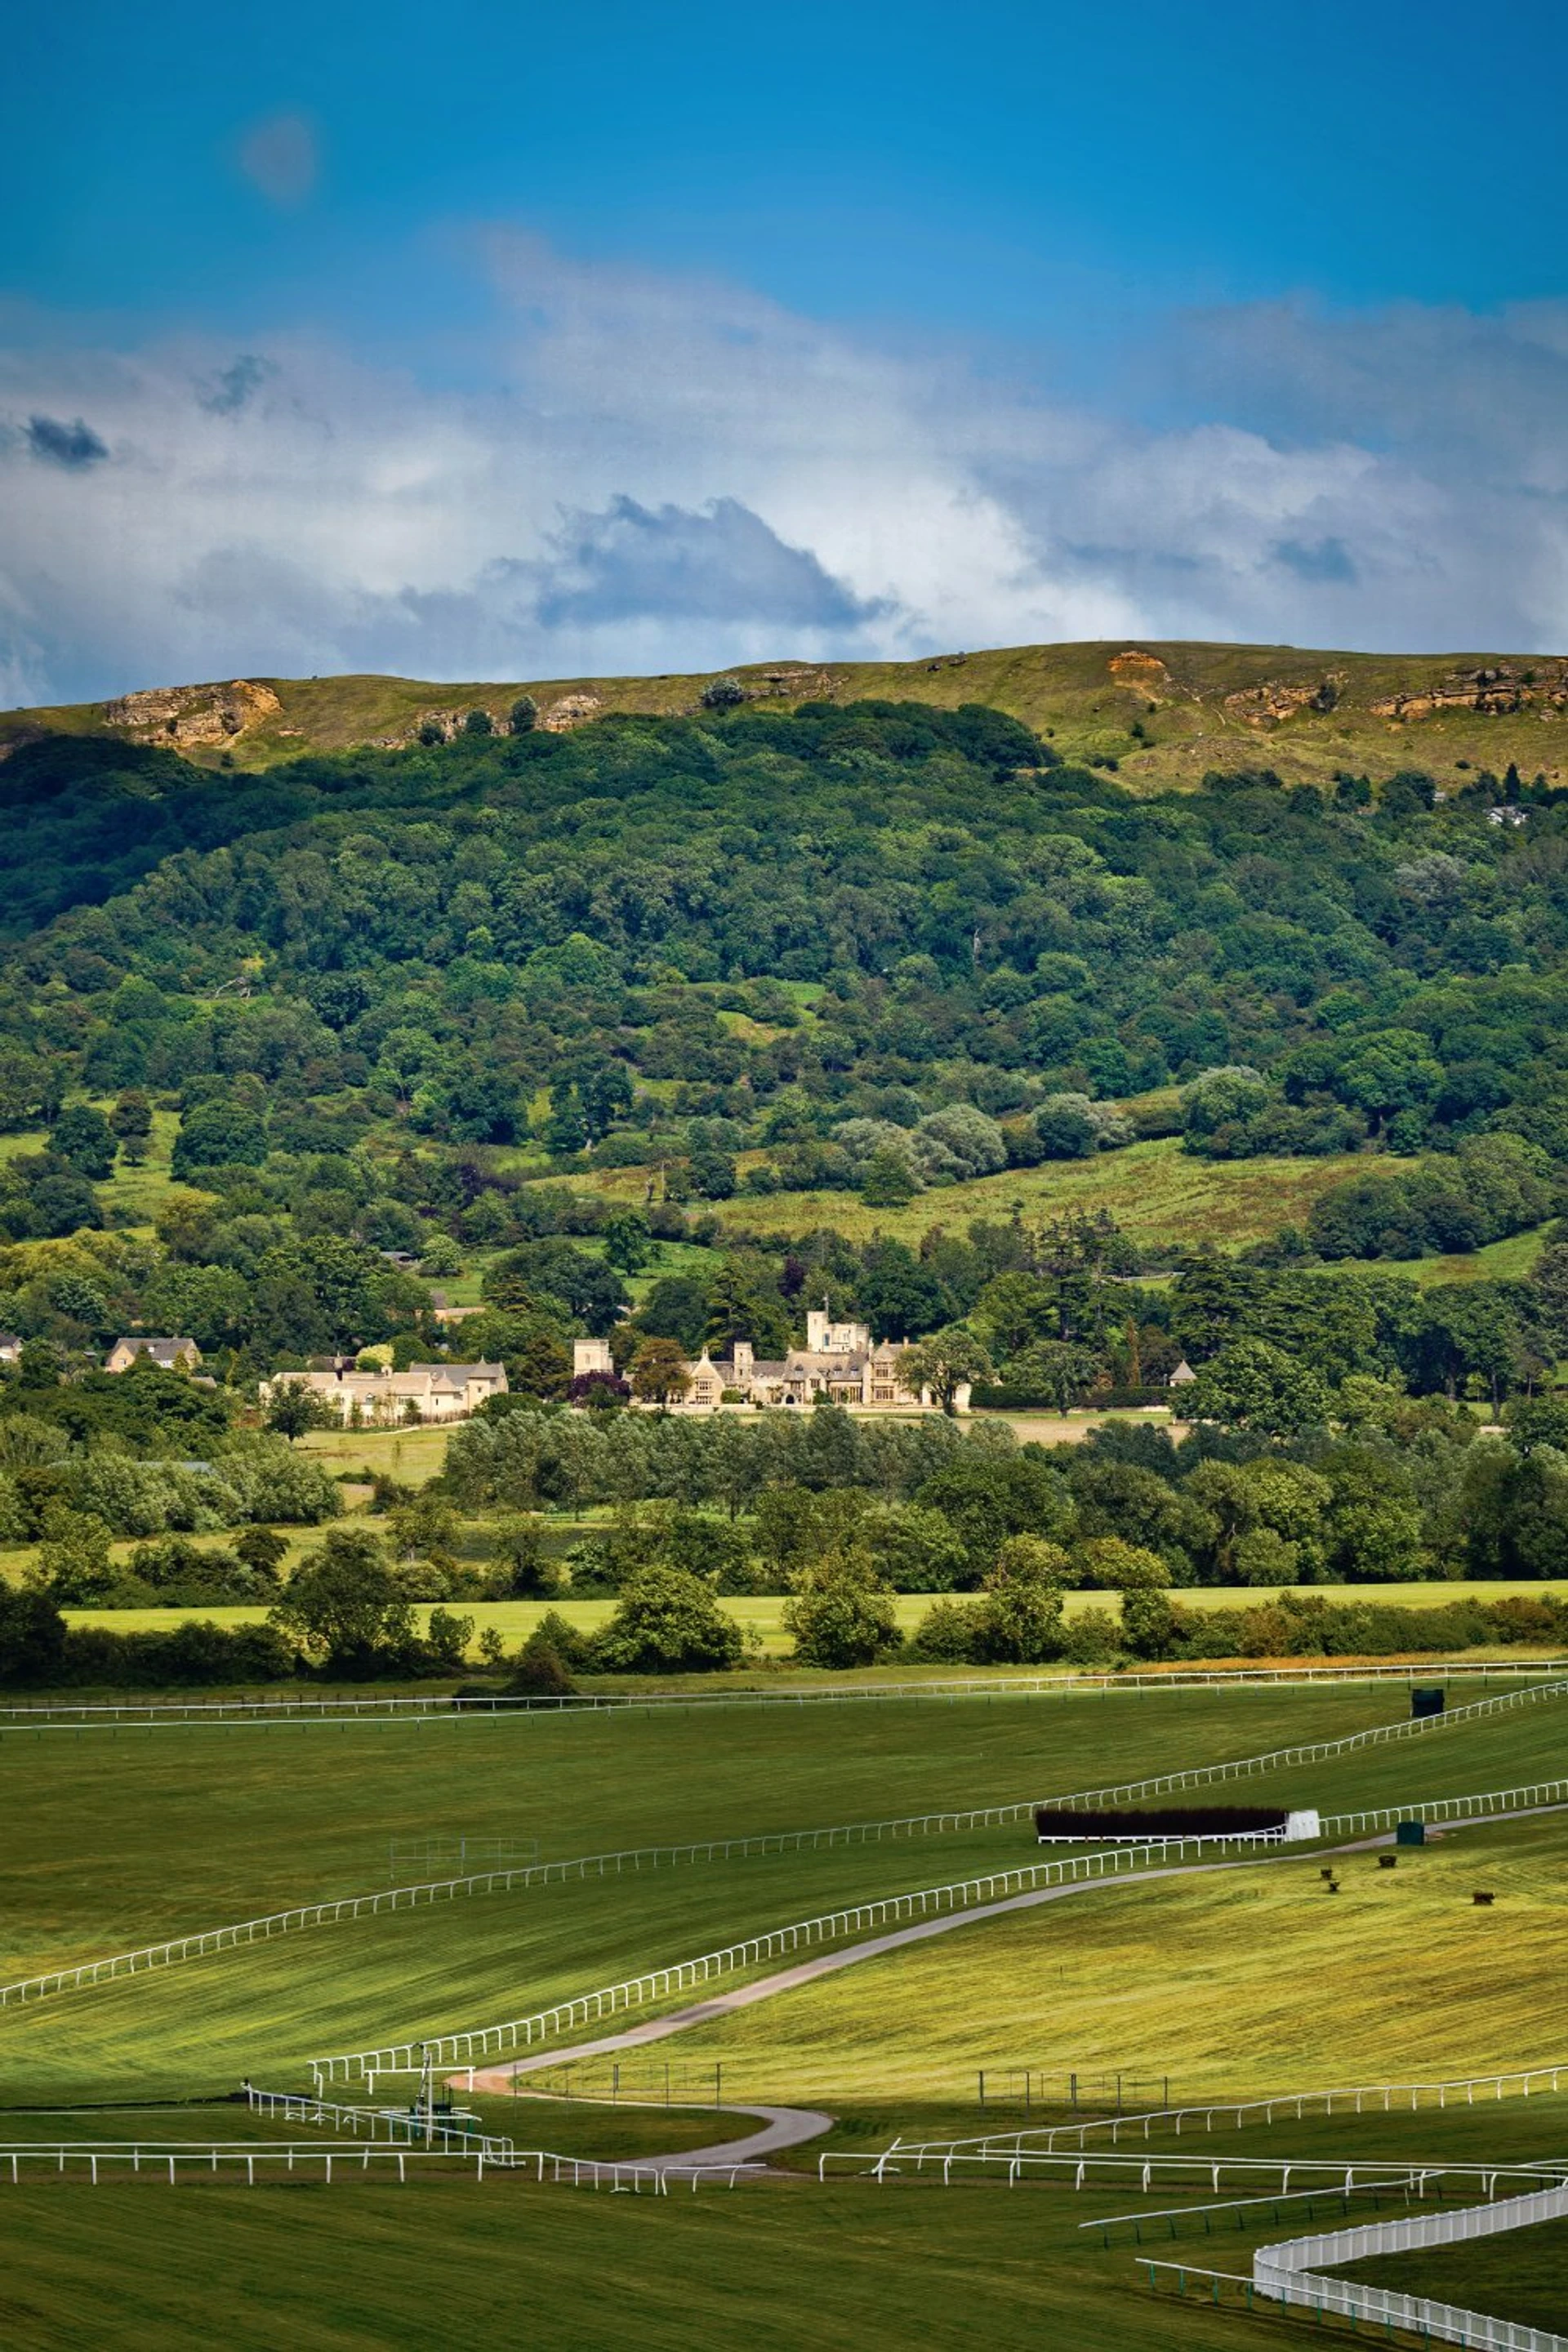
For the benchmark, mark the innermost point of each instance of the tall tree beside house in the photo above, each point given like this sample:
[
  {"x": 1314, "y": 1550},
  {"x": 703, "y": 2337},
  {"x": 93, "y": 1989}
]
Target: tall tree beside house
[
  {"x": 294, "y": 1409},
  {"x": 943, "y": 1363},
  {"x": 659, "y": 1373}
]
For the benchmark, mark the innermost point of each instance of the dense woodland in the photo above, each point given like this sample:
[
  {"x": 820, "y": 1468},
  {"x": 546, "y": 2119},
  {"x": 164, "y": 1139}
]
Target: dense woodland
[{"x": 403, "y": 1004}]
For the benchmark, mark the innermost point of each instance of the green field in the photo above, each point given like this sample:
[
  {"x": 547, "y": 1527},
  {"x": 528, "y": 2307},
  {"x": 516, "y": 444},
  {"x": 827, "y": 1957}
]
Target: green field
[
  {"x": 771, "y": 2268},
  {"x": 763, "y": 1615},
  {"x": 1240, "y": 1958},
  {"x": 1215, "y": 1979}
]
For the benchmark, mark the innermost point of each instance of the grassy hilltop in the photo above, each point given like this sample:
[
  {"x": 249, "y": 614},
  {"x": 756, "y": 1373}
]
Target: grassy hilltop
[{"x": 1165, "y": 712}]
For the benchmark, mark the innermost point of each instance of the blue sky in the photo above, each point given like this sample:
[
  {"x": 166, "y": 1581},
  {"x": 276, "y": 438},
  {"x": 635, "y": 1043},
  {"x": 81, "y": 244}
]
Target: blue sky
[{"x": 492, "y": 340}]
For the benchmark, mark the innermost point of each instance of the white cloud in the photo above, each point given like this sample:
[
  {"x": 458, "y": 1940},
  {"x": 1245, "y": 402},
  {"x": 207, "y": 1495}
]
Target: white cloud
[{"x": 675, "y": 473}]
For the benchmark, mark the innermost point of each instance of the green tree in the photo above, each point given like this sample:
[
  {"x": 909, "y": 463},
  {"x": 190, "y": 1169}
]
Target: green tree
[
  {"x": 1251, "y": 1385},
  {"x": 32, "y": 1638},
  {"x": 1066, "y": 1128},
  {"x": 841, "y": 1613},
  {"x": 218, "y": 1135},
  {"x": 1386, "y": 1071},
  {"x": 85, "y": 1140},
  {"x": 627, "y": 1243},
  {"x": 524, "y": 715},
  {"x": 888, "y": 1183},
  {"x": 293, "y": 1409},
  {"x": 744, "y": 1302},
  {"x": 261, "y": 1549},
  {"x": 676, "y": 1308},
  {"x": 913, "y": 1550},
  {"x": 1017, "y": 1614},
  {"x": 73, "y": 1563},
  {"x": 659, "y": 1373},
  {"x": 344, "y": 1605},
  {"x": 944, "y": 1364},
  {"x": 667, "y": 1623},
  {"x": 522, "y": 1571},
  {"x": 711, "y": 1168},
  {"x": 1058, "y": 1370}
]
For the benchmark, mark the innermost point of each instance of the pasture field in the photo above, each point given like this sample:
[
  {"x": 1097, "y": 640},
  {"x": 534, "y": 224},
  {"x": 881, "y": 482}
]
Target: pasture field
[
  {"x": 192, "y": 1826},
  {"x": 762, "y": 1614},
  {"x": 1229, "y": 1980}
]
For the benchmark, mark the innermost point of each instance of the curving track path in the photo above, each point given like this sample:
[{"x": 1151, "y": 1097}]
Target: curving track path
[{"x": 499, "y": 2080}]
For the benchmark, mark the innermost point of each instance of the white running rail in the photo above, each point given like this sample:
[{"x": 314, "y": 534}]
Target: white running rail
[
  {"x": 400, "y": 2127},
  {"x": 295, "y": 2106},
  {"x": 638, "y": 1858},
  {"x": 1490, "y": 1802},
  {"x": 1354, "y": 2098},
  {"x": 1320, "y": 2175},
  {"x": 176, "y": 2160},
  {"x": 60, "y": 1713},
  {"x": 1287, "y": 2274}
]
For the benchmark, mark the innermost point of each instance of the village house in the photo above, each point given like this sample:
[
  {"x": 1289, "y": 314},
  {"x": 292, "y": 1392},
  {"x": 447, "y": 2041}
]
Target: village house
[
  {"x": 840, "y": 1361},
  {"x": 383, "y": 1398},
  {"x": 169, "y": 1355}
]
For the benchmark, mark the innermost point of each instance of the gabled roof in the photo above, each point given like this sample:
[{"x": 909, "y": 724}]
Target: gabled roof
[{"x": 162, "y": 1351}]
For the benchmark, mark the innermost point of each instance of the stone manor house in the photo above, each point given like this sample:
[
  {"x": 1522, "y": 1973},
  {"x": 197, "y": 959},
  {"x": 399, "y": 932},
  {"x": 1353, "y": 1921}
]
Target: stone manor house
[{"x": 838, "y": 1361}]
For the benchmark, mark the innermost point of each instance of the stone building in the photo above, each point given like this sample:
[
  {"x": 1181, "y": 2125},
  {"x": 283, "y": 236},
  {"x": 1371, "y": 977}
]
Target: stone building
[
  {"x": 840, "y": 1360},
  {"x": 169, "y": 1355},
  {"x": 385, "y": 1400}
]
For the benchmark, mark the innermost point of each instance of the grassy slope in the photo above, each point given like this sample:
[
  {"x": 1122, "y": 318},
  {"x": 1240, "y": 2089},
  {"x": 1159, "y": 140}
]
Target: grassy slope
[
  {"x": 765, "y": 2270},
  {"x": 1068, "y": 690},
  {"x": 1163, "y": 1197},
  {"x": 196, "y": 1826},
  {"x": 1241, "y": 1958}
]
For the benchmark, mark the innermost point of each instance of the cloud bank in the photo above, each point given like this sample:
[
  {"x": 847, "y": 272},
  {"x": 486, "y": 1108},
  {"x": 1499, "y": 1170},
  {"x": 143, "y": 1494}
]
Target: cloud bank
[{"x": 649, "y": 472}]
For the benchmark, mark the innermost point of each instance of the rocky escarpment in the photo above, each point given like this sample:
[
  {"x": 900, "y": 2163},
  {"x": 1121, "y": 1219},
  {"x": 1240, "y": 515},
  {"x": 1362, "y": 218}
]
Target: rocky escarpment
[
  {"x": 1496, "y": 688},
  {"x": 1272, "y": 702},
  {"x": 187, "y": 716}
]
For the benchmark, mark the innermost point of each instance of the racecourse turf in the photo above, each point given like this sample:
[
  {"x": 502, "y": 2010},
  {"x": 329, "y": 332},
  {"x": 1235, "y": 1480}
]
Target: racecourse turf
[{"x": 1227, "y": 1982}]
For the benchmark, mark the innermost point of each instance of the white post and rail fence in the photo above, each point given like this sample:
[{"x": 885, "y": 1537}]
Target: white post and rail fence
[{"x": 635, "y": 1859}]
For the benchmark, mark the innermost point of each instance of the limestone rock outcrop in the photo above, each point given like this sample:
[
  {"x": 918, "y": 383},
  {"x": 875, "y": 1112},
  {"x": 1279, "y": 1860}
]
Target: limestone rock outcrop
[{"x": 190, "y": 716}]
